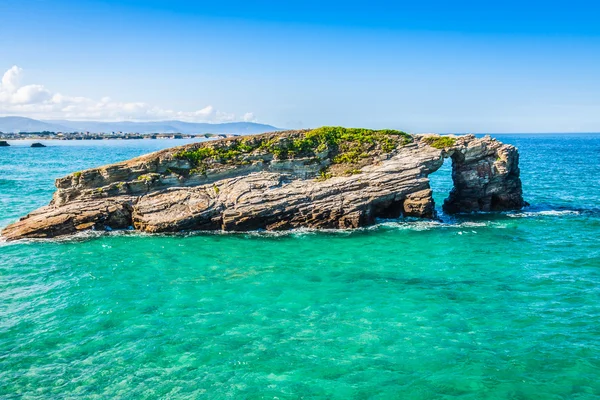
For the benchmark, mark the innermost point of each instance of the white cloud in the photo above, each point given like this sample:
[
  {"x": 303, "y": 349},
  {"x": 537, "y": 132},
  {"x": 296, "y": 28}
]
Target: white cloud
[
  {"x": 10, "y": 79},
  {"x": 249, "y": 117},
  {"x": 38, "y": 102}
]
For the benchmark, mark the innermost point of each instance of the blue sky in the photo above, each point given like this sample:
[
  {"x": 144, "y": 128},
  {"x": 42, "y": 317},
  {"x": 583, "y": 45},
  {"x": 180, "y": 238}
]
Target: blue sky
[{"x": 440, "y": 66}]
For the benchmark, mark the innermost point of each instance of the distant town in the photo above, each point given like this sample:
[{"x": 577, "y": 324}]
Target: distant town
[{"x": 47, "y": 135}]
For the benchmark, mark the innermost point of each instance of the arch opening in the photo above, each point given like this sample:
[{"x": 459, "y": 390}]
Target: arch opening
[{"x": 441, "y": 184}]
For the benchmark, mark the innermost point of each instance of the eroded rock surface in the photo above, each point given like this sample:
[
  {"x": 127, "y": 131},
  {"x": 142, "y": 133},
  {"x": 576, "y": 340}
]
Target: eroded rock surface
[{"x": 250, "y": 183}]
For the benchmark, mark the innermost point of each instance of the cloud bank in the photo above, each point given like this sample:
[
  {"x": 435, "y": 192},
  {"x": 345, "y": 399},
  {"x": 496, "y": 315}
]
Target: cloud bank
[{"x": 38, "y": 102}]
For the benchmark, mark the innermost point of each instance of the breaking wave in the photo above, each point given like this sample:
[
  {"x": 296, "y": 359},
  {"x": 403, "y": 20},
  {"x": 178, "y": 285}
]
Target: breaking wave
[{"x": 460, "y": 223}]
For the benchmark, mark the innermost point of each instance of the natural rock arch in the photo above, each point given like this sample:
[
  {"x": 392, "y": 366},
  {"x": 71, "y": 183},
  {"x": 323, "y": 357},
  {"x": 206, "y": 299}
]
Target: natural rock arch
[{"x": 486, "y": 177}]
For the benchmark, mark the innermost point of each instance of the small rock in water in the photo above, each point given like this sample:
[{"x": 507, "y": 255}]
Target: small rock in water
[
  {"x": 37, "y": 145},
  {"x": 4, "y": 143}
]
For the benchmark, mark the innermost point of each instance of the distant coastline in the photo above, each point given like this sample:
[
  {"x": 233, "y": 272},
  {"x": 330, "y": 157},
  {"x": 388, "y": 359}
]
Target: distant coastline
[
  {"x": 107, "y": 136},
  {"x": 22, "y": 125}
]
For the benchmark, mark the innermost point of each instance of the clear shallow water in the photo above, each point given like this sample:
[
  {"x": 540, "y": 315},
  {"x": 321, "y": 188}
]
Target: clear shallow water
[{"x": 486, "y": 306}]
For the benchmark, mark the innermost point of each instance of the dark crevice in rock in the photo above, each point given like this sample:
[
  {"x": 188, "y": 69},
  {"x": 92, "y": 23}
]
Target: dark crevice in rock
[{"x": 389, "y": 209}]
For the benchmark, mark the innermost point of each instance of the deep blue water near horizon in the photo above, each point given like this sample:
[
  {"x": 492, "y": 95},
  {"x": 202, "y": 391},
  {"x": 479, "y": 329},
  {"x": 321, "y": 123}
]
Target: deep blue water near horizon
[{"x": 483, "y": 306}]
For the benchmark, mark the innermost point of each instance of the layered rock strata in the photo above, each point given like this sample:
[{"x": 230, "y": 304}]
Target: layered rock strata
[{"x": 278, "y": 181}]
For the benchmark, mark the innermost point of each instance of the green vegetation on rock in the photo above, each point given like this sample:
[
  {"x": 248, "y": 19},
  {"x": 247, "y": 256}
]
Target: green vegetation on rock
[
  {"x": 148, "y": 178},
  {"x": 352, "y": 171},
  {"x": 342, "y": 145},
  {"x": 324, "y": 174},
  {"x": 440, "y": 142}
]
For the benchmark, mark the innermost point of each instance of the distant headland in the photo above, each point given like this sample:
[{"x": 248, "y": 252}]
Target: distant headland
[{"x": 16, "y": 128}]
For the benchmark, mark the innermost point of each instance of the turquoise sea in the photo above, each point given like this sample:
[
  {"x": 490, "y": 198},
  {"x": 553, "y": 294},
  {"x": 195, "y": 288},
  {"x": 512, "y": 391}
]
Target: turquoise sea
[{"x": 495, "y": 306}]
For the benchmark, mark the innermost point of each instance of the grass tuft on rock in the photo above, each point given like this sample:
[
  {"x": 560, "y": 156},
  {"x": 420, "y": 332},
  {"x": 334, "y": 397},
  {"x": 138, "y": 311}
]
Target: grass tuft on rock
[{"x": 440, "y": 142}]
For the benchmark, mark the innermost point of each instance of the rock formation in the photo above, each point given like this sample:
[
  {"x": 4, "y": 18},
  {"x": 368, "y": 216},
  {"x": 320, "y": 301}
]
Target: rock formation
[
  {"x": 37, "y": 145},
  {"x": 329, "y": 177},
  {"x": 4, "y": 143}
]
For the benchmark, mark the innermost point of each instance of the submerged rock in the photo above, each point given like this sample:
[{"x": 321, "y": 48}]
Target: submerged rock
[
  {"x": 4, "y": 143},
  {"x": 323, "y": 178},
  {"x": 37, "y": 145}
]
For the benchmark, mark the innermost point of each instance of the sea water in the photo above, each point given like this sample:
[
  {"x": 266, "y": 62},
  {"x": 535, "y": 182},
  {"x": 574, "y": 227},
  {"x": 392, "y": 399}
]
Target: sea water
[{"x": 481, "y": 306}]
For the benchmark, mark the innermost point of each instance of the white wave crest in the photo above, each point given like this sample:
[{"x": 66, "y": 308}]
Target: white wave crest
[{"x": 544, "y": 213}]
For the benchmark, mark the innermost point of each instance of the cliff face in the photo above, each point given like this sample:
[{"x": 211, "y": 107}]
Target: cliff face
[{"x": 324, "y": 178}]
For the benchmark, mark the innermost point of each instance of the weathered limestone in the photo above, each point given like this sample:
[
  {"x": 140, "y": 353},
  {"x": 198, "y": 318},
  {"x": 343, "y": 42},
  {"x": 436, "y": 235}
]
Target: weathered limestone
[
  {"x": 162, "y": 192},
  {"x": 486, "y": 178}
]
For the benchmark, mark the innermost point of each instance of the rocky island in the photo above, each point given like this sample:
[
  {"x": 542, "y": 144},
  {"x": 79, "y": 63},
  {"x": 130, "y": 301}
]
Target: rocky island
[{"x": 330, "y": 177}]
